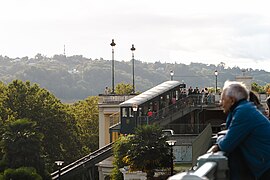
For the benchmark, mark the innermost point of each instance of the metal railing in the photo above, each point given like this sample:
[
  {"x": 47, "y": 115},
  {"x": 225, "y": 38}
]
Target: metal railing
[
  {"x": 209, "y": 166},
  {"x": 113, "y": 98},
  {"x": 188, "y": 103},
  {"x": 87, "y": 162}
]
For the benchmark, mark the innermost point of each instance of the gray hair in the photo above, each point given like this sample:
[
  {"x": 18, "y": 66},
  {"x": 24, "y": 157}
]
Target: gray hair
[{"x": 236, "y": 90}]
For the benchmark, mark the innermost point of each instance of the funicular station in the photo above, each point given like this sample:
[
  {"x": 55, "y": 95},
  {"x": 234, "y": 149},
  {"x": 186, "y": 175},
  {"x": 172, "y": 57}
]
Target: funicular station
[{"x": 193, "y": 119}]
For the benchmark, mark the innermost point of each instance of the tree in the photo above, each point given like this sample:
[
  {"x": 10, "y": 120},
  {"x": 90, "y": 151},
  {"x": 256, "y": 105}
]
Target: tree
[
  {"x": 22, "y": 146},
  {"x": 23, "y": 100},
  {"x": 148, "y": 150},
  {"x": 25, "y": 173},
  {"x": 123, "y": 89},
  {"x": 257, "y": 88},
  {"x": 267, "y": 88},
  {"x": 86, "y": 114},
  {"x": 120, "y": 149}
]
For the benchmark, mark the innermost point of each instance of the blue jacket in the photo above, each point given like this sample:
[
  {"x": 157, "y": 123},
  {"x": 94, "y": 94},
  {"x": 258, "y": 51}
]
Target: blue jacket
[{"x": 249, "y": 130}]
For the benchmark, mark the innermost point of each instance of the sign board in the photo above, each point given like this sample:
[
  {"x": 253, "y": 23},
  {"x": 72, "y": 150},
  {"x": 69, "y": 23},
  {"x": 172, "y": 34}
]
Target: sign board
[{"x": 182, "y": 153}]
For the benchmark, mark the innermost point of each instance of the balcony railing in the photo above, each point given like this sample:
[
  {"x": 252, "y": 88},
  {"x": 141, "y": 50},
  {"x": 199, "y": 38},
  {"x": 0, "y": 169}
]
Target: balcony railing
[{"x": 209, "y": 166}]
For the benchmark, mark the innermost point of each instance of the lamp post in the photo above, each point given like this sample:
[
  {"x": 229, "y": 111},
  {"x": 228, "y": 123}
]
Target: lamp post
[
  {"x": 171, "y": 143},
  {"x": 216, "y": 74},
  {"x": 59, "y": 164},
  {"x": 112, "y": 44},
  {"x": 171, "y": 73},
  {"x": 133, "y": 80}
]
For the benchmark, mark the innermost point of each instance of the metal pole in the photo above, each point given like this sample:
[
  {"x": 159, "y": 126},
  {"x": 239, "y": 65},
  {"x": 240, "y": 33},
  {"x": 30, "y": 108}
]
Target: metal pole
[
  {"x": 112, "y": 70},
  {"x": 216, "y": 74},
  {"x": 171, "y": 160},
  {"x": 133, "y": 67},
  {"x": 171, "y": 73},
  {"x": 112, "y": 44},
  {"x": 133, "y": 82},
  {"x": 59, "y": 173},
  {"x": 216, "y": 84}
]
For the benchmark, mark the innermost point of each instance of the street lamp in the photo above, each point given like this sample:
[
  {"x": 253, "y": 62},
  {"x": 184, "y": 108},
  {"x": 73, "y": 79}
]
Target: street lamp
[
  {"x": 59, "y": 164},
  {"x": 171, "y": 143},
  {"x": 216, "y": 74},
  {"x": 112, "y": 44},
  {"x": 171, "y": 73},
  {"x": 133, "y": 81}
]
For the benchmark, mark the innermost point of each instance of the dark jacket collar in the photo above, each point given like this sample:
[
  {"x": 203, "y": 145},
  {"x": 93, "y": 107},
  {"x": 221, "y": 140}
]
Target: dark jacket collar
[{"x": 236, "y": 104}]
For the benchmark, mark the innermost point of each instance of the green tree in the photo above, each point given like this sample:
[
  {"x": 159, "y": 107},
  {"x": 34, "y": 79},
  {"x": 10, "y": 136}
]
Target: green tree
[
  {"x": 267, "y": 88},
  {"x": 86, "y": 114},
  {"x": 23, "y": 100},
  {"x": 120, "y": 149},
  {"x": 22, "y": 146},
  {"x": 123, "y": 89},
  {"x": 257, "y": 88},
  {"x": 23, "y": 173},
  {"x": 148, "y": 150}
]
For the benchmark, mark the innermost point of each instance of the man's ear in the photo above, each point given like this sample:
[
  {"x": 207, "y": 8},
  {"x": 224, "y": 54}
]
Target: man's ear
[{"x": 233, "y": 100}]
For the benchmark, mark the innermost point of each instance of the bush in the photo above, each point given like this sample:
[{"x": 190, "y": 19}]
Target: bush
[{"x": 22, "y": 173}]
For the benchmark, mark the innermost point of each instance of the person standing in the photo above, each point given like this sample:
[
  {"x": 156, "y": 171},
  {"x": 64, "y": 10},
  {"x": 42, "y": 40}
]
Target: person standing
[{"x": 248, "y": 135}]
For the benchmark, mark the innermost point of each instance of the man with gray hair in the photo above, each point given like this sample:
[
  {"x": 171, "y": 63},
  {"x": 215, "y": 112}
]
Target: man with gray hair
[{"x": 248, "y": 135}]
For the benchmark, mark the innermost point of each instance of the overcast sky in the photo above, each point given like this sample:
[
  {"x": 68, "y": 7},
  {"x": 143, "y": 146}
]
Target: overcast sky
[{"x": 236, "y": 32}]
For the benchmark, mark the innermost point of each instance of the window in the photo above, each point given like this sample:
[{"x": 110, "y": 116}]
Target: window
[
  {"x": 124, "y": 112},
  {"x": 131, "y": 113}
]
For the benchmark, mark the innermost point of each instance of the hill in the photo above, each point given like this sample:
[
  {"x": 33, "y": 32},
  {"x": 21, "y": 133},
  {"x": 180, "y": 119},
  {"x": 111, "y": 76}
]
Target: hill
[{"x": 76, "y": 77}]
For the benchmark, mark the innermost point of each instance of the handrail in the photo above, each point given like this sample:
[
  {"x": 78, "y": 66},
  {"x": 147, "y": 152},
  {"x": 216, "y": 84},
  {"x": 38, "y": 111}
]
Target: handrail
[
  {"x": 82, "y": 161},
  {"x": 182, "y": 105},
  {"x": 206, "y": 170},
  {"x": 210, "y": 166}
]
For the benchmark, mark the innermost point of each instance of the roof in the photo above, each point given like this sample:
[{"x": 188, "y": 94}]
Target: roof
[{"x": 151, "y": 93}]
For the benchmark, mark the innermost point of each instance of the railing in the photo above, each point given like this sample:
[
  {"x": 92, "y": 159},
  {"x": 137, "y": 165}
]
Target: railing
[
  {"x": 85, "y": 162},
  {"x": 114, "y": 118},
  {"x": 113, "y": 98},
  {"x": 210, "y": 166},
  {"x": 189, "y": 102}
]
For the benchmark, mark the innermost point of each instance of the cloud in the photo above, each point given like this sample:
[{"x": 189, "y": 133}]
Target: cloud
[{"x": 234, "y": 32}]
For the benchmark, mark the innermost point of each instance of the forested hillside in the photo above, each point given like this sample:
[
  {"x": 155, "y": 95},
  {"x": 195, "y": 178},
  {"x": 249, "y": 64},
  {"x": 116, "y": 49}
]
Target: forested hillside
[{"x": 76, "y": 77}]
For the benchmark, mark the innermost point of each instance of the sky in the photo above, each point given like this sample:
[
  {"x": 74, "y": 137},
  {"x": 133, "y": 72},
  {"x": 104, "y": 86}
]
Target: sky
[{"x": 236, "y": 32}]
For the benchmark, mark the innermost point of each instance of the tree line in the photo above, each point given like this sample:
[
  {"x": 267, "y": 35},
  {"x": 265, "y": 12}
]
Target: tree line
[{"x": 73, "y": 78}]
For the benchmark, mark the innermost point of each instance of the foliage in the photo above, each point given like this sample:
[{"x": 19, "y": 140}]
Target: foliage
[
  {"x": 22, "y": 145},
  {"x": 120, "y": 148},
  {"x": 267, "y": 88},
  {"x": 86, "y": 114},
  {"x": 148, "y": 150},
  {"x": 23, "y": 173},
  {"x": 257, "y": 88},
  {"x": 21, "y": 100},
  {"x": 76, "y": 77},
  {"x": 123, "y": 89}
]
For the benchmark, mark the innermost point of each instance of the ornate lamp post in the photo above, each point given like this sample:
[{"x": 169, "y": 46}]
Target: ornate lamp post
[
  {"x": 171, "y": 143},
  {"x": 59, "y": 164},
  {"x": 171, "y": 73},
  {"x": 133, "y": 80},
  {"x": 216, "y": 74},
  {"x": 112, "y": 44}
]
